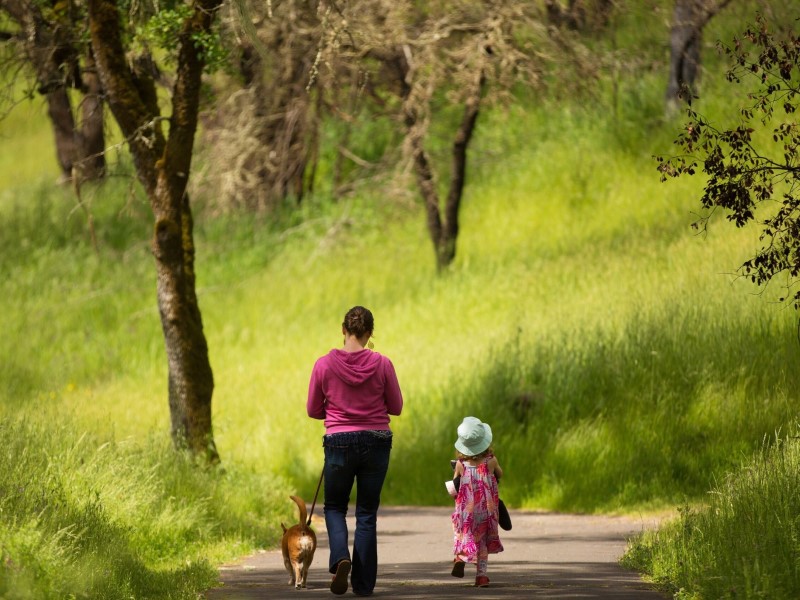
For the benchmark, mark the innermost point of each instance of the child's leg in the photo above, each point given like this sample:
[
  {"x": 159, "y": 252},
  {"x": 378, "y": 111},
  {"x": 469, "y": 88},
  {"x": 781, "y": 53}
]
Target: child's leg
[
  {"x": 479, "y": 530},
  {"x": 482, "y": 561}
]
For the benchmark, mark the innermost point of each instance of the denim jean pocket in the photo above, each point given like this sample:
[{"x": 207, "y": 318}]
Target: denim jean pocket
[{"x": 336, "y": 456}]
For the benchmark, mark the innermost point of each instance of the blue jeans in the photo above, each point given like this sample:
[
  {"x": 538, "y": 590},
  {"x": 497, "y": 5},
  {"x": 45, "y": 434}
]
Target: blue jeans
[{"x": 363, "y": 457}]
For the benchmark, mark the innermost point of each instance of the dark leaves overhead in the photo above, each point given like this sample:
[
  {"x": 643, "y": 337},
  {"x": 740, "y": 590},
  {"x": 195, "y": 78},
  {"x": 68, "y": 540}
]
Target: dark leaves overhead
[{"x": 752, "y": 176}]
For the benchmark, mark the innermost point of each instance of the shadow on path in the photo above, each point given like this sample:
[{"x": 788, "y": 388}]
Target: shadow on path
[{"x": 546, "y": 556}]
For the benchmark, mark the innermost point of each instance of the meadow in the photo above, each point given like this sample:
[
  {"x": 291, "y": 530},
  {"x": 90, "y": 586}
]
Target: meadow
[{"x": 621, "y": 363}]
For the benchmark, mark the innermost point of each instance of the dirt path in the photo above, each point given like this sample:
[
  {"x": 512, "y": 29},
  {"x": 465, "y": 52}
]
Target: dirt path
[{"x": 546, "y": 556}]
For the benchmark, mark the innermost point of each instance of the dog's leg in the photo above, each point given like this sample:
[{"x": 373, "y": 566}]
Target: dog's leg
[
  {"x": 299, "y": 580},
  {"x": 287, "y": 563},
  {"x": 285, "y": 548},
  {"x": 303, "y": 574}
]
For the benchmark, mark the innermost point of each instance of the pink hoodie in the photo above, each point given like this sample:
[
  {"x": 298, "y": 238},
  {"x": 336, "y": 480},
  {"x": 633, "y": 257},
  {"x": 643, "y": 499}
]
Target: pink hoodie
[{"x": 354, "y": 391}]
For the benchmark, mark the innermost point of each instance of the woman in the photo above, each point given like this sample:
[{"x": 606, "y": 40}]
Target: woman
[{"x": 354, "y": 390}]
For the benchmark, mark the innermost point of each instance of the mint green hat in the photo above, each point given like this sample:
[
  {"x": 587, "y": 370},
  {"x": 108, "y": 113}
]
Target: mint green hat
[{"x": 473, "y": 436}]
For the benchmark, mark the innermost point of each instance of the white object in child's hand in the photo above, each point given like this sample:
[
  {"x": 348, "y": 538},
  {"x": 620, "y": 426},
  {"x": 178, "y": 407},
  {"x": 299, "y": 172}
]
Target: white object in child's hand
[{"x": 451, "y": 487}]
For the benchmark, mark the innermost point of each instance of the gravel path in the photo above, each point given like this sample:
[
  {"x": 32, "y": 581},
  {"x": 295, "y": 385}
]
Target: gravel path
[{"x": 546, "y": 556}]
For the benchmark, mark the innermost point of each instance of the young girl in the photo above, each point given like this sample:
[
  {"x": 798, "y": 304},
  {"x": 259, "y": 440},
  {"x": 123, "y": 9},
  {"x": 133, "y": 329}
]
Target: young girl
[{"x": 475, "y": 516}]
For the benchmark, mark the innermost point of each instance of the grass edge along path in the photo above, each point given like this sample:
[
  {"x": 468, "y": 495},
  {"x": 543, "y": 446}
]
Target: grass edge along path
[
  {"x": 742, "y": 542},
  {"x": 101, "y": 518}
]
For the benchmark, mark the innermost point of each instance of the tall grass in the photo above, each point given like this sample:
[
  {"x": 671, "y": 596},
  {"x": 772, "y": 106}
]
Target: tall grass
[
  {"x": 743, "y": 543},
  {"x": 103, "y": 518}
]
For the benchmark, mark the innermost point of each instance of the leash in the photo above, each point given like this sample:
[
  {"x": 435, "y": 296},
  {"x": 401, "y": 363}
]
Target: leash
[{"x": 314, "y": 503}]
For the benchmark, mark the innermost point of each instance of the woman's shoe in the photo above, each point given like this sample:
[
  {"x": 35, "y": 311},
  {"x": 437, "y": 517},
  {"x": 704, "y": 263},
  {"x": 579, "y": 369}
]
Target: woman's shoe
[
  {"x": 339, "y": 581},
  {"x": 458, "y": 569},
  {"x": 481, "y": 581}
]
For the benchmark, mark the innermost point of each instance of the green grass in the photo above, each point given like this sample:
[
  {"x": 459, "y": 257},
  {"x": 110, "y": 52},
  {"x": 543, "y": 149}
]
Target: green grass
[
  {"x": 34, "y": 156},
  {"x": 89, "y": 517},
  {"x": 622, "y": 367},
  {"x": 743, "y": 543}
]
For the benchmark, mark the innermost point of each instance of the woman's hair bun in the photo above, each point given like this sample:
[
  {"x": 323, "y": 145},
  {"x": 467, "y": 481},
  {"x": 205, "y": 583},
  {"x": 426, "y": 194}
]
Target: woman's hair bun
[{"x": 358, "y": 321}]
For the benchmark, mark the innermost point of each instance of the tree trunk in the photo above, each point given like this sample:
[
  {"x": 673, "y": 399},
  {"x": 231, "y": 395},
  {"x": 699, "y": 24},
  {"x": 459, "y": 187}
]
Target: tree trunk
[
  {"x": 447, "y": 249},
  {"x": 430, "y": 197},
  {"x": 92, "y": 131},
  {"x": 191, "y": 382},
  {"x": 80, "y": 150},
  {"x": 443, "y": 230},
  {"x": 62, "y": 121},
  {"x": 686, "y": 38},
  {"x": 162, "y": 166}
]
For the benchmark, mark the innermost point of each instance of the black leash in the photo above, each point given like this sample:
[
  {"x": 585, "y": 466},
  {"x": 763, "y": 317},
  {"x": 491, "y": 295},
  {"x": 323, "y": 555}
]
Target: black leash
[{"x": 314, "y": 503}]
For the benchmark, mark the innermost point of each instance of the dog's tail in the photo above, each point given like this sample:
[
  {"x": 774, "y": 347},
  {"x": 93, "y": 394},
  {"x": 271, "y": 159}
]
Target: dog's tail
[{"x": 303, "y": 512}]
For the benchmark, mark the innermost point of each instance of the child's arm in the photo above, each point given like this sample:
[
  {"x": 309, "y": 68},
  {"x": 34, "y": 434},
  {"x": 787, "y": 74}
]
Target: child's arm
[
  {"x": 453, "y": 485},
  {"x": 494, "y": 467}
]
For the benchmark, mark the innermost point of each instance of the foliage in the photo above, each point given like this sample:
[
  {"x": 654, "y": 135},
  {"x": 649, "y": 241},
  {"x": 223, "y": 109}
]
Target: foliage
[
  {"x": 439, "y": 55},
  {"x": 742, "y": 542},
  {"x": 85, "y": 516},
  {"x": 752, "y": 178},
  {"x": 261, "y": 130},
  {"x": 164, "y": 27},
  {"x": 162, "y": 30}
]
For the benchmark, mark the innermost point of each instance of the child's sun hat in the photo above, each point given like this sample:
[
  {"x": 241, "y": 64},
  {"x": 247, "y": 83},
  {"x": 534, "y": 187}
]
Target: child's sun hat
[{"x": 473, "y": 436}]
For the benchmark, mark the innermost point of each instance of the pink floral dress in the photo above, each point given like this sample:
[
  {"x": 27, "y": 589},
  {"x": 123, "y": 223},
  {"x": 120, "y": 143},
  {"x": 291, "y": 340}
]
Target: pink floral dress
[{"x": 475, "y": 516}]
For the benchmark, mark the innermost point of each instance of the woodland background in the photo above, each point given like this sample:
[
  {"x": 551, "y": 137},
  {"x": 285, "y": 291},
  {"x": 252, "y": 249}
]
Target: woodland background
[{"x": 483, "y": 176}]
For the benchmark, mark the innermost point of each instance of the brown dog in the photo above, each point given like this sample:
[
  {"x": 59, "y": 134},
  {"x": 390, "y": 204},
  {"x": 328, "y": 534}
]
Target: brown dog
[{"x": 298, "y": 544}]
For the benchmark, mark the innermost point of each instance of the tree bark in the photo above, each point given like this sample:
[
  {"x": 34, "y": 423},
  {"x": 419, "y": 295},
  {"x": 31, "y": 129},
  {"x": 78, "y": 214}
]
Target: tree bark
[
  {"x": 447, "y": 247},
  {"x": 50, "y": 40},
  {"x": 427, "y": 187},
  {"x": 686, "y": 37},
  {"x": 162, "y": 166},
  {"x": 92, "y": 129},
  {"x": 422, "y": 166},
  {"x": 442, "y": 228},
  {"x": 59, "y": 109}
]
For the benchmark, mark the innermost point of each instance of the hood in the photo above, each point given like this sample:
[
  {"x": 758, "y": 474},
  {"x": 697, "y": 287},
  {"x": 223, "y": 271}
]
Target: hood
[{"x": 354, "y": 368}]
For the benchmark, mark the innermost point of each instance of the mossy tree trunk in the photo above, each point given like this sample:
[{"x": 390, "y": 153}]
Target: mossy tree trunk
[{"x": 162, "y": 164}]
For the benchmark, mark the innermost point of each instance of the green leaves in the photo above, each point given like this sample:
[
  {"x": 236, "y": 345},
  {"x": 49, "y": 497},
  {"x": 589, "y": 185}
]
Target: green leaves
[
  {"x": 168, "y": 27},
  {"x": 745, "y": 172},
  {"x": 163, "y": 29}
]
